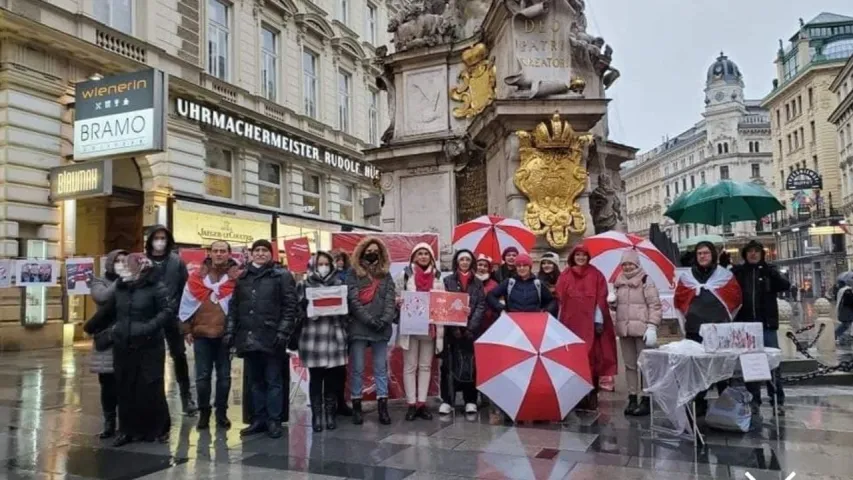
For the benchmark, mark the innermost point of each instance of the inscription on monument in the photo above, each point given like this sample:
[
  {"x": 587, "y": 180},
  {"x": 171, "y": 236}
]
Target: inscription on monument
[
  {"x": 543, "y": 44},
  {"x": 472, "y": 199}
]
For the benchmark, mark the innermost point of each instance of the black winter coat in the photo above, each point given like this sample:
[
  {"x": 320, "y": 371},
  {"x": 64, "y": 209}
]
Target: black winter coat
[
  {"x": 760, "y": 283},
  {"x": 476, "y": 298},
  {"x": 263, "y": 306}
]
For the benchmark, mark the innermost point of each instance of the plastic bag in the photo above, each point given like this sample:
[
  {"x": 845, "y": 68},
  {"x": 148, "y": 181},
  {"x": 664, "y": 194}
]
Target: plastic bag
[{"x": 731, "y": 412}]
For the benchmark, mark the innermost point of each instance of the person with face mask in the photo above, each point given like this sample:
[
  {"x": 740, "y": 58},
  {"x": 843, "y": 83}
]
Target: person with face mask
[
  {"x": 203, "y": 309},
  {"x": 372, "y": 305},
  {"x": 457, "y": 365},
  {"x": 171, "y": 270},
  {"x": 261, "y": 318},
  {"x": 102, "y": 292},
  {"x": 582, "y": 294},
  {"x": 323, "y": 348}
]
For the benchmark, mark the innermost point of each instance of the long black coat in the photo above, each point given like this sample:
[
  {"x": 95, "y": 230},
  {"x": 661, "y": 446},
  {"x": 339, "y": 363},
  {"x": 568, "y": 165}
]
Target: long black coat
[
  {"x": 476, "y": 298},
  {"x": 760, "y": 284},
  {"x": 263, "y": 305}
]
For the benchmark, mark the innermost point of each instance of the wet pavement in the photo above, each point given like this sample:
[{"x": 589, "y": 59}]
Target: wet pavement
[{"x": 50, "y": 415}]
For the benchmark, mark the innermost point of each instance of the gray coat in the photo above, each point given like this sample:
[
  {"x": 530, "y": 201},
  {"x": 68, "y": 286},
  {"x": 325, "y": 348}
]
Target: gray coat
[{"x": 371, "y": 322}]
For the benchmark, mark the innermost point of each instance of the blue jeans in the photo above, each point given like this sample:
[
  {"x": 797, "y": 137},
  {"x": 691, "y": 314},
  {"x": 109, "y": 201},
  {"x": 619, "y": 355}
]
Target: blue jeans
[
  {"x": 266, "y": 378},
  {"x": 380, "y": 367},
  {"x": 210, "y": 353},
  {"x": 774, "y": 388}
]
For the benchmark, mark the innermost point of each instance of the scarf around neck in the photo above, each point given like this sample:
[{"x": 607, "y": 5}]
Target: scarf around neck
[
  {"x": 423, "y": 278},
  {"x": 464, "y": 279}
]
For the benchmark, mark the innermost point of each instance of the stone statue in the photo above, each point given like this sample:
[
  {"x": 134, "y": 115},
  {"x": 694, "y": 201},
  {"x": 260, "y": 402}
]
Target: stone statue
[
  {"x": 425, "y": 23},
  {"x": 604, "y": 204}
]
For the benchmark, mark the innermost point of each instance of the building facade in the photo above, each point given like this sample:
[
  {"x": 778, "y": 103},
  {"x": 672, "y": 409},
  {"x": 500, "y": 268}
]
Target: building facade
[
  {"x": 730, "y": 142},
  {"x": 806, "y": 160},
  {"x": 268, "y": 106},
  {"x": 842, "y": 118}
]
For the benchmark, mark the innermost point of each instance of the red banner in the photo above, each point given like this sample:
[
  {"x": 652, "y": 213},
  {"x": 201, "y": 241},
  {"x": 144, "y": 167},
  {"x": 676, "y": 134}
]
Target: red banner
[
  {"x": 192, "y": 258},
  {"x": 298, "y": 254},
  {"x": 399, "y": 245}
]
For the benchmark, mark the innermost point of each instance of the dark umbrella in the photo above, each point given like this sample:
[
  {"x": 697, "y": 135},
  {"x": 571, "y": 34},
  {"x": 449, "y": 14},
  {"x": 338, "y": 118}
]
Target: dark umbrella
[{"x": 664, "y": 243}]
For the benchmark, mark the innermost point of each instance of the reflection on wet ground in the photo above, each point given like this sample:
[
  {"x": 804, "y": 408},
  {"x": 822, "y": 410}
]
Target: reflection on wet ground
[{"x": 50, "y": 415}]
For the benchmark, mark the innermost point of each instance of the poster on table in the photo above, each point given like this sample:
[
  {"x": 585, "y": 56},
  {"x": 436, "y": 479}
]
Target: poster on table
[
  {"x": 399, "y": 245},
  {"x": 37, "y": 273},
  {"x": 449, "y": 309},
  {"x": 414, "y": 313},
  {"x": 298, "y": 254},
  {"x": 6, "y": 273},
  {"x": 737, "y": 337},
  {"x": 79, "y": 273},
  {"x": 324, "y": 301}
]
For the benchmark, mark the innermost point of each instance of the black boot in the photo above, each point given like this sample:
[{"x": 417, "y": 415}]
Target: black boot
[
  {"x": 357, "y": 419},
  {"x": 331, "y": 410},
  {"x": 423, "y": 413},
  {"x": 255, "y": 427},
  {"x": 109, "y": 426},
  {"x": 274, "y": 429},
  {"x": 644, "y": 408},
  {"x": 122, "y": 440},
  {"x": 317, "y": 413},
  {"x": 204, "y": 419},
  {"x": 343, "y": 409},
  {"x": 222, "y": 419},
  {"x": 411, "y": 413},
  {"x": 632, "y": 405},
  {"x": 384, "y": 418}
]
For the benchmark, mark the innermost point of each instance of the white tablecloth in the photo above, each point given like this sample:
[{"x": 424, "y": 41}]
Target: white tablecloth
[{"x": 674, "y": 374}]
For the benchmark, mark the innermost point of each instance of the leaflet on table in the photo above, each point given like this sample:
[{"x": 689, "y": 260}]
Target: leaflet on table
[{"x": 755, "y": 367}]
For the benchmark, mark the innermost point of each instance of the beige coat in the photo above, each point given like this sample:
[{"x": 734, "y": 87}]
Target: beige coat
[{"x": 637, "y": 305}]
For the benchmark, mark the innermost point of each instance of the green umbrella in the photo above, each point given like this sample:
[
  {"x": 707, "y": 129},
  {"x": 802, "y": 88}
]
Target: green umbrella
[
  {"x": 692, "y": 241},
  {"x": 723, "y": 203}
]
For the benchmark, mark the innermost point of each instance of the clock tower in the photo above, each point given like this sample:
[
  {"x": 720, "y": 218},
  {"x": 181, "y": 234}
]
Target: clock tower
[{"x": 724, "y": 85}]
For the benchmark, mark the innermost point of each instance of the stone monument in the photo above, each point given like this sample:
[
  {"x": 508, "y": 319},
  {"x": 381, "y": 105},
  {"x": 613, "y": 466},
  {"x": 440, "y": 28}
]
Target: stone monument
[{"x": 498, "y": 108}]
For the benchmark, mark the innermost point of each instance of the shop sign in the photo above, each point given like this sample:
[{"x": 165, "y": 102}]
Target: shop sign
[
  {"x": 81, "y": 180},
  {"x": 202, "y": 225},
  {"x": 120, "y": 115},
  {"x": 272, "y": 138},
  {"x": 803, "y": 179}
]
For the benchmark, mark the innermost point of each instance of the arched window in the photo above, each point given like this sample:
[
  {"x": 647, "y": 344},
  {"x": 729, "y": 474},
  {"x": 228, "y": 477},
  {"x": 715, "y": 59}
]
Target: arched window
[
  {"x": 719, "y": 148},
  {"x": 750, "y": 147},
  {"x": 726, "y": 147}
]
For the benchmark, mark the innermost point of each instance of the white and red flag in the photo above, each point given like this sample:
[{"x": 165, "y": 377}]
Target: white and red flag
[
  {"x": 722, "y": 284},
  {"x": 200, "y": 288},
  {"x": 324, "y": 301}
]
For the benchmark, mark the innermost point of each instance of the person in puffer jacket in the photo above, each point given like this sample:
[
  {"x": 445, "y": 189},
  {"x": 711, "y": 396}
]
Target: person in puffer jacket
[
  {"x": 638, "y": 315},
  {"x": 522, "y": 292}
]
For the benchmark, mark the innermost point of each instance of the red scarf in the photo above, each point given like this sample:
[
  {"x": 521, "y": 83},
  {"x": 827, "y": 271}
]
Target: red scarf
[
  {"x": 464, "y": 280},
  {"x": 423, "y": 278},
  {"x": 366, "y": 293}
]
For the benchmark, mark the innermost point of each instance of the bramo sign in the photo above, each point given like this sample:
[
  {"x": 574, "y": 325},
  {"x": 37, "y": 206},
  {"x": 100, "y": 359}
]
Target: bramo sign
[{"x": 120, "y": 115}]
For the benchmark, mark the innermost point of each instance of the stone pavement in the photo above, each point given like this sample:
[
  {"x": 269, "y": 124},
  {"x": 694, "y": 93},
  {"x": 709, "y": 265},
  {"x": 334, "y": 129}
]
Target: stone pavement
[{"x": 50, "y": 413}]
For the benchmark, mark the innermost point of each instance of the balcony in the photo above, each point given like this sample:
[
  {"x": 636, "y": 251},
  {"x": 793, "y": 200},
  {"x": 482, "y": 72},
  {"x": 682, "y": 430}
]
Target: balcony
[{"x": 814, "y": 216}]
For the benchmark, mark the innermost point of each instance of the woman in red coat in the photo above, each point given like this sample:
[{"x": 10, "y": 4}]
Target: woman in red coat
[{"x": 582, "y": 295}]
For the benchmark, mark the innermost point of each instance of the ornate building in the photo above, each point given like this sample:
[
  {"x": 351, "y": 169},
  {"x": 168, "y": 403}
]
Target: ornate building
[
  {"x": 730, "y": 142},
  {"x": 806, "y": 157},
  {"x": 842, "y": 118},
  {"x": 267, "y": 107}
]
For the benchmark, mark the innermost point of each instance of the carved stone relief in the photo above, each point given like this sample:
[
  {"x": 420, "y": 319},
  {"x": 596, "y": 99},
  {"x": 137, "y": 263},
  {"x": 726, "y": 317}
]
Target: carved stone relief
[
  {"x": 425, "y": 23},
  {"x": 425, "y": 97}
]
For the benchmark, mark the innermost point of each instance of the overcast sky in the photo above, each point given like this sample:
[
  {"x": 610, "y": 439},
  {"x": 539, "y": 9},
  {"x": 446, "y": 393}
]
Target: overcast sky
[{"x": 664, "y": 47}]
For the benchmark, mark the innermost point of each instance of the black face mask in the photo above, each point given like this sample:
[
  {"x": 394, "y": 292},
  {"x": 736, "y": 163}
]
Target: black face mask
[{"x": 371, "y": 257}]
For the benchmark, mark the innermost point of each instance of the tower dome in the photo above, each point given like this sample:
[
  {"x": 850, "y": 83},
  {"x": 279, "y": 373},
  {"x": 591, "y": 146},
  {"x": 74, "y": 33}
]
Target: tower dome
[{"x": 724, "y": 69}]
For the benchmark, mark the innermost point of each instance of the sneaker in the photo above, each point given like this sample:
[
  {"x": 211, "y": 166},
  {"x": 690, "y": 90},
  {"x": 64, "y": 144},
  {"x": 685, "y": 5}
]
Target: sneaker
[
  {"x": 445, "y": 409},
  {"x": 470, "y": 408}
]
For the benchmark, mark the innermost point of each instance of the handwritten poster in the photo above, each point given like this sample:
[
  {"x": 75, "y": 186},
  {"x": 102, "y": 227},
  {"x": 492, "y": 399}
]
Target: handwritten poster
[
  {"x": 732, "y": 337},
  {"x": 414, "y": 313},
  {"x": 448, "y": 308}
]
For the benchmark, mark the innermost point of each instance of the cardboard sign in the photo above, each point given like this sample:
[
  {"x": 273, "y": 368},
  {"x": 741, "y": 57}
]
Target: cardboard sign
[
  {"x": 448, "y": 309},
  {"x": 298, "y": 254},
  {"x": 324, "y": 301},
  {"x": 755, "y": 367},
  {"x": 732, "y": 337}
]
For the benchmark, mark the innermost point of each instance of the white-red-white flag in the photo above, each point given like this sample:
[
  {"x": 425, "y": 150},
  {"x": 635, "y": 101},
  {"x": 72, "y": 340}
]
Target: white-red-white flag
[{"x": 324, "y": 301}]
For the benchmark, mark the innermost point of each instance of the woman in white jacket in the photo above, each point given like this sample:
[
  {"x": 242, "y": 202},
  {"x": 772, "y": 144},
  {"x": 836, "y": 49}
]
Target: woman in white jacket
[{"x": 421, "y": 275}]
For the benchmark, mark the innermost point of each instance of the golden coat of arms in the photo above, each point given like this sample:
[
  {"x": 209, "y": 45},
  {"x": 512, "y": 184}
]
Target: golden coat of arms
[
  {"x": 551, "y": 176},
  {"x": 477, "y": 82}
]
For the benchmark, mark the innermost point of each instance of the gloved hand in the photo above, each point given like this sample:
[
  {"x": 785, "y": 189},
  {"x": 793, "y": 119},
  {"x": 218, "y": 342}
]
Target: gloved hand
[
  {"x": 280, "y": 342},
  {"x": 651, "y": 336},
  {"x": 599, "y": 328}
]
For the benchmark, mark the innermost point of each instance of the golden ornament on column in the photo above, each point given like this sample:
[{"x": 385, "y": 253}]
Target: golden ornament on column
[
  {"x": 552, "y": 176},
  {"x": 477, "y": 82}
]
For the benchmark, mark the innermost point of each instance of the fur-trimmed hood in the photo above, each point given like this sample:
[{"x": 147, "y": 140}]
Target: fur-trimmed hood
[{"x": 382, "y": 268}]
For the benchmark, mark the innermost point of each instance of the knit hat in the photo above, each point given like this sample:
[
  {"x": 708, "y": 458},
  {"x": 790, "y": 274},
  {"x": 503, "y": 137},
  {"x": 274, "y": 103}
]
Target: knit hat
[
  {"x": 464, "y": 253},
  {"x": 507, "y": 251},
  {"x": 630, "y": 256},
  {"x": 262, "y": 242},
  {"x": 551, "y": 257},
  {"x": 422, "y": 246},
  {"x": 484, "y": 258},
  {"x": 523, "y": 259}
]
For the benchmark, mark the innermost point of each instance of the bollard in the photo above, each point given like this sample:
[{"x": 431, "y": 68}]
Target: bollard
[
  {"x": 826, "y": 341},
  {"x": 786, "y": 312}
]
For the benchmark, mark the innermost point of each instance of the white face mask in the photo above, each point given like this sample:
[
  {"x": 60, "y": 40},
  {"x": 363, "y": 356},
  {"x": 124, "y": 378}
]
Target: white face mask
[
  {"x": 482, "y": 276},
  {"x": 159, "y": 245},
  {"x": 323, "y": 270},
  {"x": 123, "y": 272}
]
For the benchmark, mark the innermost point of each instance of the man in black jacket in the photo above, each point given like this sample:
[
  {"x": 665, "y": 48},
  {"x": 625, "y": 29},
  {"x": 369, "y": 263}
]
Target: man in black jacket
[
  {"x": 169, "y": 269},
  {"x": 761, "y": 283}
]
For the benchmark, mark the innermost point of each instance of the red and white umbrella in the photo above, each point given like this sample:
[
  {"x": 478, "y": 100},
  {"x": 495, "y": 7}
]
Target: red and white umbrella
[
  {"x": 606, "y": 251},
  {"x": 491, "y": 235},
  {"x": 532, "y": 366}
]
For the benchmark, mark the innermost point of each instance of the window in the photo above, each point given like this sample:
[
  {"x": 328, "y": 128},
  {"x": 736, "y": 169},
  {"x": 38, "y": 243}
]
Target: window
[
  {"x": 217, "y": 39},
  {"x": 724, "y": 172},
  {"x": 811, "y": 98},
  {"x": 676, "y": 188},
  {"x": 344, "y": 85},
  {"x": 799, "y": 104},
  {"x": 269, "y": 184},
  {"x": 343, "y": 11},
  {"x": 345, "y": 197},
  {"x": 702, "y": 178},
  {"x": 778, "y": 117},
  {"x": 787, "y": 111},
  {"x": 667, "y": 191},
  {"x": 719, "y": 148},
  {"x": 117, "y": 14},
  {"x": 218, "y": 175},
  {"x": 790, "y": 143},
  {"x": 373, "y": 118},
  {"x": 269, "y": 66},
  {"x": 684, "y": 184},
  {"x": 757, "y": 147},
  {"x": 311, "y": 194},
  {"x": 780, "y": 149},
  {"x": 802, "y": 137},
  {"x": 814, "y": 163},
  {"x": 309, "y": 83},
  {"x": 370, "y": 30},
  {"x": 813, "y": 130},
  {"x": 692, "y": 181},
  {"x": 726, "y": 147},
  {"x": 756, "y": 170},
  {"x": 796, "y": 139}
]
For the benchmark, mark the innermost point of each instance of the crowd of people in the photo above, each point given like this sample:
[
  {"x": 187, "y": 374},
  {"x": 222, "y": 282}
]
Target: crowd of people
[{"x": 259, "y": 311}]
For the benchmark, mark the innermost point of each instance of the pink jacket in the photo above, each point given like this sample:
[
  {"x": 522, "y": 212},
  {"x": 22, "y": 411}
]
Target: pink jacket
[{"x": 637, "y": 305}]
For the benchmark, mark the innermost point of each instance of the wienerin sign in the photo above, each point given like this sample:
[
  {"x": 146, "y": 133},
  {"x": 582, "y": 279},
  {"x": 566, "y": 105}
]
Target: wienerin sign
[{"x": 803, "y": 179}]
